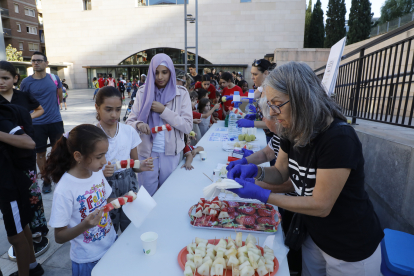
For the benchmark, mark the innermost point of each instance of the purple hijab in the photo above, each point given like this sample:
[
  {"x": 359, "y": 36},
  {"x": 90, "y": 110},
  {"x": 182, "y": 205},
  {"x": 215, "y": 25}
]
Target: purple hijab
[{"x": 152, "y": 93}]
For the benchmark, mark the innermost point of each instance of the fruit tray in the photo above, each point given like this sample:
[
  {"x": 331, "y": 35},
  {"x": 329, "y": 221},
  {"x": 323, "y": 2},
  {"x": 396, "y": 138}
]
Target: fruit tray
[
  {"x": 240, "y": 216},
  {"x": 182, "y": 259}
]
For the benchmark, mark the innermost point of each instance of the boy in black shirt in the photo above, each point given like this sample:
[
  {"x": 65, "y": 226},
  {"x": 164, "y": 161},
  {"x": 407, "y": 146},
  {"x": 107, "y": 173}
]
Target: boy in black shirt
[{"x": 17, "y": 152}]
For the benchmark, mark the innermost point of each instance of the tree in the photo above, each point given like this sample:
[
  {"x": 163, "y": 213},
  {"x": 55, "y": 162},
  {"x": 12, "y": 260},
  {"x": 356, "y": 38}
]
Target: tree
[
  {"x": 359, "y": 21},
  {"x": 308, "y": 18},
  {"x": 12, "y": 54},
  {"x": 335, "y": 22},
  {"x": 317, "y": 29},
  {"x": 392, "y": 9}
]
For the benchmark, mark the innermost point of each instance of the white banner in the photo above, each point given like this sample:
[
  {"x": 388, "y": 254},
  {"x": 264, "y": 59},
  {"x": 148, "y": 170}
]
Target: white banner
[{"x": 332, "y": 66}]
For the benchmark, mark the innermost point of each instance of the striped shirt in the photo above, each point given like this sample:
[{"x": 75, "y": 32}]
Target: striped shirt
[{"x": 274, "y": 144}]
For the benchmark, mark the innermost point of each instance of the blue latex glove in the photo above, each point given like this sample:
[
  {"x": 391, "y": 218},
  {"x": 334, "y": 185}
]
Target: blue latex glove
[
  {"x": 250, "y": 117},
  {"x": 243, "y": 171},
  {"x": 252, "y": 109},
  {"x": 246, "y": 153},
  {"x": 245, "y": 123},
  {"x": 251, "y": 190},
  {"x": 232, "y": 164}
]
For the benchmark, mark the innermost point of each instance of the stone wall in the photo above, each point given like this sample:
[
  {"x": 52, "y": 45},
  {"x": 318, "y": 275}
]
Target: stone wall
[
  {"x": 314, "y": 57},
  {"x": 389, "y": 172},
  {"x": 230, "y": 32}
]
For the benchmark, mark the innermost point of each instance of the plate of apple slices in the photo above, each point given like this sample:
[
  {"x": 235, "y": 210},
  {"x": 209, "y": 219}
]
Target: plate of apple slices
[{"x": 224, "y": 257}]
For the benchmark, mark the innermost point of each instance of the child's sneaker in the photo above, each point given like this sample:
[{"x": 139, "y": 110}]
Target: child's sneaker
[{"x": 37, "y": 271}]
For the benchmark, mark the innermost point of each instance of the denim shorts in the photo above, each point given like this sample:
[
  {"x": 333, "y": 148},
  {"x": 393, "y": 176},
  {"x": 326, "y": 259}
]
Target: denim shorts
[{"x": 84, "y": 269}]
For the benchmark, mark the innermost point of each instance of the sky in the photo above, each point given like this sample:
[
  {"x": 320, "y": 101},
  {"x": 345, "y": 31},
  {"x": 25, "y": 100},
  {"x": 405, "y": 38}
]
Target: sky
[{"x": 375, "y": 7}]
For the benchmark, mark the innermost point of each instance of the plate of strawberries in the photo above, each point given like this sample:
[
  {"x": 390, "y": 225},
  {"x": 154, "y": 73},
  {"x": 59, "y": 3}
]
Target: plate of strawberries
[{"x": 232, "y": 215}]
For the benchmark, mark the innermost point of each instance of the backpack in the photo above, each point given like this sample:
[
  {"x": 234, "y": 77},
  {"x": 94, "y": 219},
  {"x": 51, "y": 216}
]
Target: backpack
[
  {"x": 54, "y": 79},
  {"x": 121, "y": 86},
  {"x": 111, "y": 82}
]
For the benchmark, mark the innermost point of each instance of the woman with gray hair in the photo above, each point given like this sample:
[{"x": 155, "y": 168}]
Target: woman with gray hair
[{"x": 323, "y": 157}]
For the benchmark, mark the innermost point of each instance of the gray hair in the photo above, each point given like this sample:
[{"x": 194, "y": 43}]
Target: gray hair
[{"x": 311, "y": 107}]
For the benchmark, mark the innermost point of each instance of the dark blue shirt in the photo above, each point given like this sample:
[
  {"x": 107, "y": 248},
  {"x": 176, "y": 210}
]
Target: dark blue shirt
[{"x": 44, "y": 91}]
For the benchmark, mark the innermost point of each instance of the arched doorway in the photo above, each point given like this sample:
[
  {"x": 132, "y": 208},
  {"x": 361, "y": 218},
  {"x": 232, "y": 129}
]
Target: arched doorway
[{"x": 144, "y": 58}]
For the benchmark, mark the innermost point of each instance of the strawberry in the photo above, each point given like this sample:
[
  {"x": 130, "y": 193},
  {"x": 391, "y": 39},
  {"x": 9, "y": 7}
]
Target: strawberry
[
  {"x": 256, "y": 216},
  {"x": 224, "y": 209},
  {"x": 245, "y": 220},
  {"x": 264, "y": 212},
  {"x": 233, "y": 204},
  {"x": 266, "y": 221},
  {"x": 258, "y": 205},
  {"x": 202, "y": 200},
  {"x": 242, "y": 227},
  {"x": 232, "y": 216},
  {"x": 230, "y": 210},
  {"x": 108, "y": 207},
  {"x": 224, "y": 204},
  {"x": 215, "y": 199},
  {"x": 248, "y": 210},
  {"x": 130, "y": 198},
  {"x": 270, "y": 206}
]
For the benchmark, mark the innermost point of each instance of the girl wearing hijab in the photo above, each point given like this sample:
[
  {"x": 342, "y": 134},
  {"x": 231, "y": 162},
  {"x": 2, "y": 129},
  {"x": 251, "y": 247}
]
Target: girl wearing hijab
[{"x": 160, "y": 101}]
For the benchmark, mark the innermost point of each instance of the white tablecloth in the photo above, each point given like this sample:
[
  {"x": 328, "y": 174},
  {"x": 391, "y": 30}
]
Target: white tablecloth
[{"x": 171, "y": 221}]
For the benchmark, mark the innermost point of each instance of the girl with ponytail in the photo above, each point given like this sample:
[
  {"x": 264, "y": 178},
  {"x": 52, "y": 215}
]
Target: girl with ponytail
[{"x": 75, "y": 164}]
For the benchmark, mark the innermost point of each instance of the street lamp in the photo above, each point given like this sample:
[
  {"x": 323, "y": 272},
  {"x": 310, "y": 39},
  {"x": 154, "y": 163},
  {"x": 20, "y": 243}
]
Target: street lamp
[{"x": 189, "y": 17}]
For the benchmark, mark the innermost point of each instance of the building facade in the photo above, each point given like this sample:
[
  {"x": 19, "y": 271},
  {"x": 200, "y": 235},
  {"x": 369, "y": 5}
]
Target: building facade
[
  {"x": 119, "y": 37},
  {"x": 20, "y": 25}
]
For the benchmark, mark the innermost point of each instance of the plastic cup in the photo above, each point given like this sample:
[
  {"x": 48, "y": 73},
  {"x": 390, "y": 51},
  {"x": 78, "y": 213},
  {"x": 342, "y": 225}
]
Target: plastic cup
[
  {"x": 149, "y": 242},
  {"x": 203, "y": 155}
]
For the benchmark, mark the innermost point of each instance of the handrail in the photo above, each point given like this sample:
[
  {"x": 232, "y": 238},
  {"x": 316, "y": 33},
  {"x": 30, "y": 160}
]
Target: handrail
[{"x": 380, "y": 39}]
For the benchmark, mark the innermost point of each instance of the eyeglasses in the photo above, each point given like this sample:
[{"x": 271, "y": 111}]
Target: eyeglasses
[
  {"x": 37, "y": 60},
  {"x": 256, "y": 63},
  {"x": 276, "y": 108}
]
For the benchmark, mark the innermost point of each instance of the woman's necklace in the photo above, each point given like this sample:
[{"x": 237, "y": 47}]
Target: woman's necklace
[{"x": 116, "y": 133}]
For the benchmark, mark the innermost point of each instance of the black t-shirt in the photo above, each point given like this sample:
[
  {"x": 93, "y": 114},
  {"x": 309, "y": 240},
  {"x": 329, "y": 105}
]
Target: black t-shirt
[
  {"x": 196, "y": 78},
  {"x": 23, "y": 99},
  {"x": 351, "y": 232},
  {"x": 7, "y": 170},
  {"x": 15, "y": 120}
]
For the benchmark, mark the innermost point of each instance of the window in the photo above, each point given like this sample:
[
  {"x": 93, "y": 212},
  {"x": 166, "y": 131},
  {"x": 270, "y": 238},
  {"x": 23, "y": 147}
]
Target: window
[
  {"x": 16, "y": 8},
  {"x": 87, "y": 5},
  {"x": 33, "y": 47},
  {"x": 31, "y": 30},
  {"x": 21, "y": 46},
  {"x": 29, "y": 12},
  {"x": 19, "y": 27},
  {"x": 158, "y": 2}
]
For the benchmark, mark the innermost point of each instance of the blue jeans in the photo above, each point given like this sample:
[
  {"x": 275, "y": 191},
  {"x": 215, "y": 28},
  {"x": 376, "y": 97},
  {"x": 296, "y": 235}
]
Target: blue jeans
[
  {"x": 96, "y": 91},
  {"x": 84, "y": 269}
]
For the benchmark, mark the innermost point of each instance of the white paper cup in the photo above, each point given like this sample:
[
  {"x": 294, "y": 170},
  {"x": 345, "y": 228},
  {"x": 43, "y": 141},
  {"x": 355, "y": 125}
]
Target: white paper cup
[
  {"x": 203, "y": 155},
  {"x": 216, "y": 175},
  {"x": 149, "y": 242}
]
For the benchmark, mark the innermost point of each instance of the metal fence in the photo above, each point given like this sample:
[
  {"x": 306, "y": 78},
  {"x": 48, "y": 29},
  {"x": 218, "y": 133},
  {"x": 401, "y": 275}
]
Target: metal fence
[
  {"x": 378, "y": 86},
  {"x": 392, "y": 25}
]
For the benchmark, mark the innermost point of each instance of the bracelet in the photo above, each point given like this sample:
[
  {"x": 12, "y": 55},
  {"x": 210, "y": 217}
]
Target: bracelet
[{"x": 262, "y": 175}]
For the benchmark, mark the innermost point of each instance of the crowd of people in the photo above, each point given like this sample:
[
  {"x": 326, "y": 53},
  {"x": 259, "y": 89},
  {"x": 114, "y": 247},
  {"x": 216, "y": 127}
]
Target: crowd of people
[{"x": 316, "y": 177}]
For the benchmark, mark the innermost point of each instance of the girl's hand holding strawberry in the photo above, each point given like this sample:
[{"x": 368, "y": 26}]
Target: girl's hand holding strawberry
[
  {"x": 144, "y": 128},
  {"x": 93, "y": 219},
  {"x": 147, "y": 165},
  {"x": 109, "y": 170}
]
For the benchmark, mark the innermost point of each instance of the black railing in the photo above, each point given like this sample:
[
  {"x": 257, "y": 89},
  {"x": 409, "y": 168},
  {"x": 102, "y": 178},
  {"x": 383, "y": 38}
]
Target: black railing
[
  {"x": 4, "y": 12},
  {"x": 6, "y": 32},
  {"x": 378, "y": 86}
]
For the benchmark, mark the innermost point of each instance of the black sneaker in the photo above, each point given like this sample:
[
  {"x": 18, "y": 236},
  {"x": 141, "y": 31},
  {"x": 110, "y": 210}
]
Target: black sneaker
[
  {"x": 37, "y": 271},
  {"x": 47, "y": 188},
  {"x": 41, "y": 247}
]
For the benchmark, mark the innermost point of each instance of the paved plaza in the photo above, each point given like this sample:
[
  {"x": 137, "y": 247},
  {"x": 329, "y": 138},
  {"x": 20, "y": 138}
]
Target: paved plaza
[{"x": 56, "y": 261}]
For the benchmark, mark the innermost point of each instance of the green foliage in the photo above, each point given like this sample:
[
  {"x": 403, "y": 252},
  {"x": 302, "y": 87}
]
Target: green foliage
[
  {"x": 22, "y": 77},
  {"x": 317, "y": 29},
  {"x": 359, "y": 21},
  {"x": 12, "y": 54},
  {"x": 335, "y": 22},
  {"x": 308, "y": 18},
  {"x": 392, "y": 9}
]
